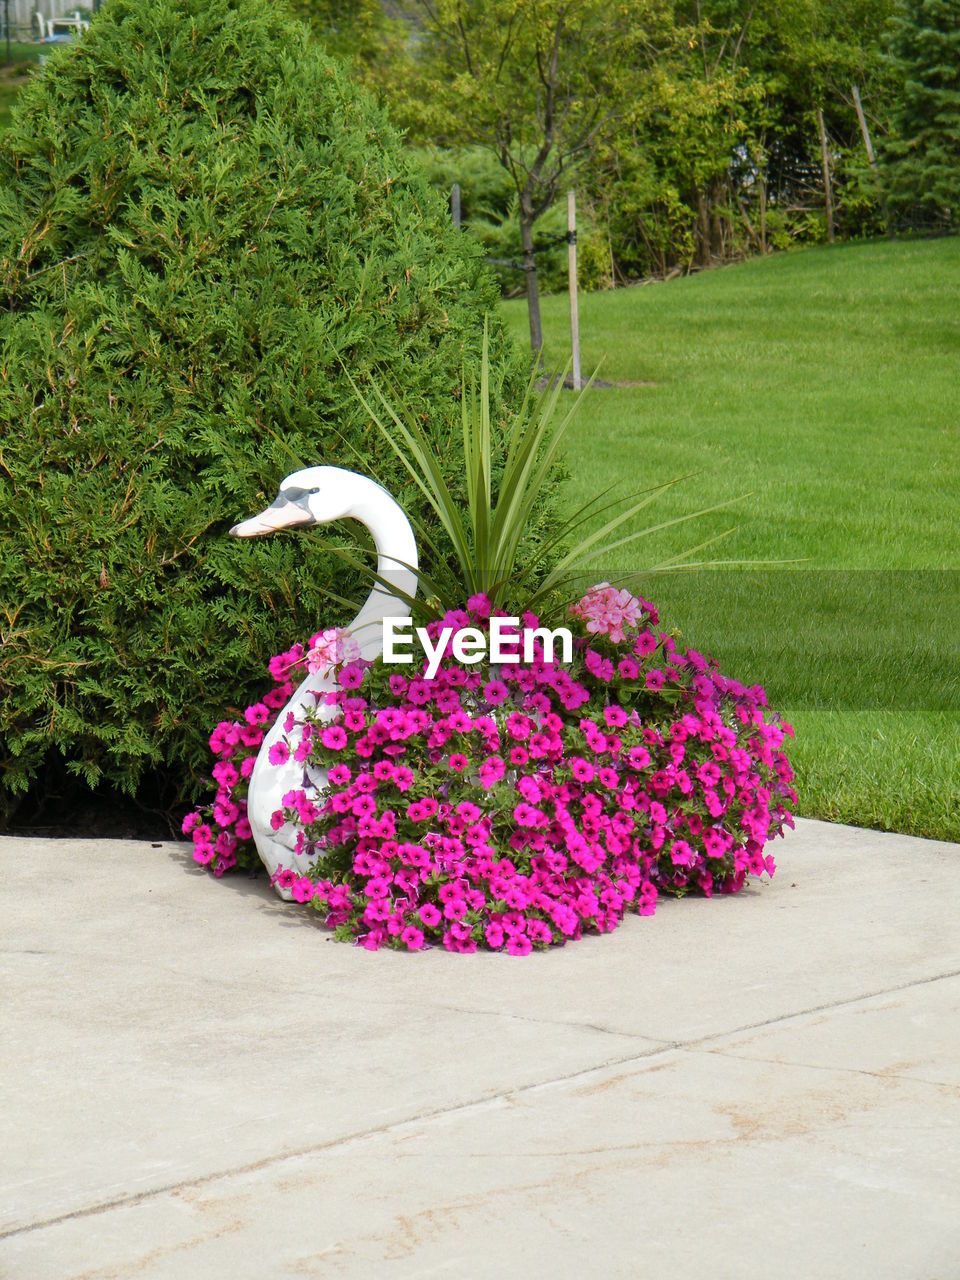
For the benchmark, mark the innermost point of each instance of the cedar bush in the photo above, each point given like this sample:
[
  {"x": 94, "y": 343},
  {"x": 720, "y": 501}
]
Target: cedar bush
[{"x": 203, "y": 222}]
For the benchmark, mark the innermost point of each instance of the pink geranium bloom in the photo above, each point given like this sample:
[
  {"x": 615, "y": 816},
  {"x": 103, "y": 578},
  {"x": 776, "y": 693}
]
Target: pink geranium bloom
[{"x": 330, "y": 649}]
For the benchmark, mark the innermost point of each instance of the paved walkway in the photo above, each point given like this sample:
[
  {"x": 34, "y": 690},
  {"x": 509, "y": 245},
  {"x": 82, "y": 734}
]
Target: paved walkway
[{"x": 198, "y": 1083}]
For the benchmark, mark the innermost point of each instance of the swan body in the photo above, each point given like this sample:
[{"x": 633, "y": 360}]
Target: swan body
[{"x": 320, "y": 495}]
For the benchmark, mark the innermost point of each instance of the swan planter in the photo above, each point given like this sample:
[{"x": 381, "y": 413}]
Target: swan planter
[
  {"x": 468, "y": 804},
  {"x": 321, "y": 495}
]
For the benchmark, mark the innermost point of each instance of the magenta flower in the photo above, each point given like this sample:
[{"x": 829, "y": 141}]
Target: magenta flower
[
  {"x": 495, "y": 692},
  {"x": 491, "y": 771},
  {"x": 582, "y": 769},
  {"x": 351, "y": 677},
  {"x": 681, "y": 855},
  {"x": 519, "y": 945},
  {"x": 494, "y": 935},
  {"x": 226, "y": 773},
  {"x": 302, "y": 889}
]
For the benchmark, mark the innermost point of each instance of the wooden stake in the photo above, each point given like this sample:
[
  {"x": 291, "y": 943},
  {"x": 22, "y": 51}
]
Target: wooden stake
[
  {"x": 825, "y": 161},
  {"x": 455, "y": 204},
  {"x": 866, "y": 132},
  {"x": 572, "y": 274},
  {"x": 871, "y": 156}
]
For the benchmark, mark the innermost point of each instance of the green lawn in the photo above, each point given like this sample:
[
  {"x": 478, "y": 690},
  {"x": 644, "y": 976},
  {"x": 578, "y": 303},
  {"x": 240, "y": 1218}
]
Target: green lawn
[
  {"x": 821, "y": 389},
  {"x": 14, "y": 74}
]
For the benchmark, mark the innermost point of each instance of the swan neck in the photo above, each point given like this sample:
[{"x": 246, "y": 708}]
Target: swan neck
[{"x": 396, "y": 550}]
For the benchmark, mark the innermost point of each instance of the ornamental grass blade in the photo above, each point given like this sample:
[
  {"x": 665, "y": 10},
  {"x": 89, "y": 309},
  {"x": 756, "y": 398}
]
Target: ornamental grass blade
[
  {"x": 576, "y": 557},
  {"x": 537, "y": 466},
  {"x": 583, "y": 515},
  {"x": 521, "y": 459},
  {"x": 682, "y": 560},
  {"x": 424, "y": 470},
  {"x": 366, "y": 572}
]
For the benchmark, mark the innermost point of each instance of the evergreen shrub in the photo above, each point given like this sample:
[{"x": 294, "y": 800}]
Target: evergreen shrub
[
  {"x": 204, "y": 226},
  {"x": 922, "y": 155}
]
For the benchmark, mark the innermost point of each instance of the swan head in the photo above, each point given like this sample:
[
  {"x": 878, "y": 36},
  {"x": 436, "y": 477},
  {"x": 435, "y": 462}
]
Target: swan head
[{"x": 315, "y": 495}]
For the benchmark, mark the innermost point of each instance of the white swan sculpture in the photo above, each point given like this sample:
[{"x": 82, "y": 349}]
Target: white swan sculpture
[{"x": 320, "y": 495}]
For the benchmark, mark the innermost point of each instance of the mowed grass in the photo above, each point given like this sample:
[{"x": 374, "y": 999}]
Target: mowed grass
[
  {"x": 820, "y": 389},
  {"x": 13, "y": 75}
]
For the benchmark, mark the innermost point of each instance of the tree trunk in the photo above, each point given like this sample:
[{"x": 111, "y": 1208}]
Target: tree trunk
[
  {"x": 825, "y": 162},
  {"x": 533, "y": 289},
  {"x": 703, "y": 228},
  {"x": 718, "y": 247},
  {"x": 763, "y": 211}
]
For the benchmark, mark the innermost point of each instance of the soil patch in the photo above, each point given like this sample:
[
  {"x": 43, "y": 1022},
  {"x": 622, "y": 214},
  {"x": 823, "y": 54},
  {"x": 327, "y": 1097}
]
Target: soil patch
[{"x": 63, "y": 808}]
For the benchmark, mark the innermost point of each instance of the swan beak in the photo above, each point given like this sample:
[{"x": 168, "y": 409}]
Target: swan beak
[{"x": 279, "y": 515}]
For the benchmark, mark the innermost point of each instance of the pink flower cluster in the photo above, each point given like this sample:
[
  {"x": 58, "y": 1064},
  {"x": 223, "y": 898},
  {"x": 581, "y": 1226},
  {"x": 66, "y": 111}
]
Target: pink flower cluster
[
  {"x": 331, "y": 649},
  {"x": 221, "y": 834},
  {"x": 524, "y": 807},
  {"x": 609, "y": 612}
]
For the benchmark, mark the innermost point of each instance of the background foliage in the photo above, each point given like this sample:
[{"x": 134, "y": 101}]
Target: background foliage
[{"x": 689, "y": 127}]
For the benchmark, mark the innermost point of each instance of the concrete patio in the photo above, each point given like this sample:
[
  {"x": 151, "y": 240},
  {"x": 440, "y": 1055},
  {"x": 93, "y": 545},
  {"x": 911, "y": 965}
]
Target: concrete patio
[{"x": 198, "y": 1083}]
